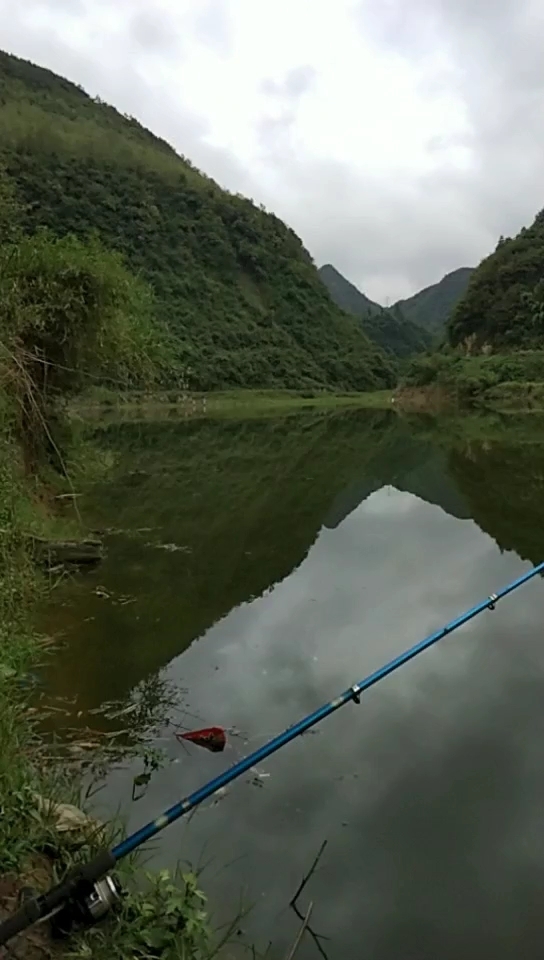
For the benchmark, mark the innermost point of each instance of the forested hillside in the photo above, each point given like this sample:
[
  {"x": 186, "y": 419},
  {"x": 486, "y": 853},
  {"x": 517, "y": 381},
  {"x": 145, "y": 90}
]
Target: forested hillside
[
  {"x": 389, "y": 328},
  {"x": 234, "y": 284},
  {"x": 494, "y": 354},
  {"x": 432, "y": 307},
  {"x": 504, "y": 303}
]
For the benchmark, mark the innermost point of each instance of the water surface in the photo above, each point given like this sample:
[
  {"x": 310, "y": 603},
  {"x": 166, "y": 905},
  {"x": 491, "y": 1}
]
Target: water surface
[{"x": 273, "y": 563}]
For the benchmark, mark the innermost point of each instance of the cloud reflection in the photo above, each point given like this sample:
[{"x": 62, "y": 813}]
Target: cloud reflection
[{"x": 429, "y": 792}]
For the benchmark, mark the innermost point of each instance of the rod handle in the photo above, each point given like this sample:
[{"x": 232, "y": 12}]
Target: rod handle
[
  {"x": 37, "y": 908},
  {"x": 26, "y": 916}
]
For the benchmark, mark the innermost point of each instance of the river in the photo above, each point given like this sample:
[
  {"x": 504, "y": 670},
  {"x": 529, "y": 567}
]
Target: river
[{"x": 259, "y": 567}]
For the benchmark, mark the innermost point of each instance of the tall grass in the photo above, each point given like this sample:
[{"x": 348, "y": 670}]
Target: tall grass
[
  {"x": 162, "y": 916},
  {"x": 68, "y": 310}
]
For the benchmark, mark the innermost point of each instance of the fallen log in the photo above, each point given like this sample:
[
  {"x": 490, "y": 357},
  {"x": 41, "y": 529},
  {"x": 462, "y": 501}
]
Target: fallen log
[{"x": 52, "y": 553}]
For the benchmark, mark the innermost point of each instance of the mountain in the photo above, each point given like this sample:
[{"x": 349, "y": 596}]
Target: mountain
[
  {"x": 235, "y": 285},
  {"x": 432, "y": 307},
  {"x": 389, "y": 328},
  {"x": 504, "y": 303},
  {"x": 345, "y": 294}
]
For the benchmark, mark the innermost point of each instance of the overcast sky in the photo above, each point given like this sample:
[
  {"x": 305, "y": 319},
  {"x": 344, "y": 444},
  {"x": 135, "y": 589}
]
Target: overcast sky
[{"x": 399, "y": 138}]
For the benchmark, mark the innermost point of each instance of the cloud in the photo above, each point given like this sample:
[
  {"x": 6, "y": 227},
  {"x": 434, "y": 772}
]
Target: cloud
[
  {"x": 398, "y": 140},
  {"x": 494, "y": 51},
  {"x": 212, "y": 24},
  {"x": 274, "y": 129},
  {"x": 293, "y": 85},
  {"x": 153, "y": 33}
]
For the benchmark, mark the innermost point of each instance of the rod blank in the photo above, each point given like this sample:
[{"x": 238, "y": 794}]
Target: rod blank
[{"x": 353, "y": 693}]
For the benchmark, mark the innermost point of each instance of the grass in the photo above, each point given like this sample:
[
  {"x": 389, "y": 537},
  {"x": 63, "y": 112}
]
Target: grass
[
  {"x": 259, "y": 400},
  {"x": 22, "y": 830},
  {"x": 160, "y": 916},
  {"x": 105, "y": 404}
]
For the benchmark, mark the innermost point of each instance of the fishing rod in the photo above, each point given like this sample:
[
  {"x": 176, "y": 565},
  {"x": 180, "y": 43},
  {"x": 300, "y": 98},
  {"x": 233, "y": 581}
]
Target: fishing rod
[{"x": 88, "y": 891}]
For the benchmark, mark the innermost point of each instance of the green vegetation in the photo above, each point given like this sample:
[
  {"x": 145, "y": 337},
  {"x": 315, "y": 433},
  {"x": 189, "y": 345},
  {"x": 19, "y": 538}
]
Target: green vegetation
[
  {"x": 496, "y": 332},
  {"x": 393, "y": 332},
  {"x": 504, "y": 304},
  {"x": 477, "y": 379},
  {"x": 72, "y": 308},
  {"x": 495, "y": 335},
  {"x": 256, "y": 402},
  {"x": 165, "y": 919},
  {"x": 233, "y": 284},
  {"x": 108, "y": 404},
  {"x": 19, "y": 648},
  {"x": 432, "y": 307},
  {"x": 389, "y": 328},
  {"x": 511, "y": 396},
  {"x": 169, "y": 917},
  {"x": 69, "y": 310}
]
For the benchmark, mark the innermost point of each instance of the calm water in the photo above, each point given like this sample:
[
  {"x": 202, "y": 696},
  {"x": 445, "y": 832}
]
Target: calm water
[{"x": 273, "y": 563}]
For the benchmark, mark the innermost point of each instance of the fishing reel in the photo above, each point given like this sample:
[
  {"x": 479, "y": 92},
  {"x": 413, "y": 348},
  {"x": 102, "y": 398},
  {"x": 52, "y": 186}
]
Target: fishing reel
[
  {"x": 89, "y": 903},
  {"x": 87, "y": 906}
]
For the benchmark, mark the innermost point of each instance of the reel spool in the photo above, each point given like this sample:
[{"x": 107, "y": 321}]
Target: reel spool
[{"x": 89, "y": 904}]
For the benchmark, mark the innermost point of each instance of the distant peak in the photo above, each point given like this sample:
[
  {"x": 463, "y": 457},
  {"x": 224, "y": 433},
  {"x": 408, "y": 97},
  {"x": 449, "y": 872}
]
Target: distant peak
[
  {"x": 344, "y": 293},
  {"x": 328, "y": 268}
]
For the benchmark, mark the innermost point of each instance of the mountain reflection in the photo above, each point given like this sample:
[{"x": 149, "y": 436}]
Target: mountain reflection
[{"x": 203, "y": 516}]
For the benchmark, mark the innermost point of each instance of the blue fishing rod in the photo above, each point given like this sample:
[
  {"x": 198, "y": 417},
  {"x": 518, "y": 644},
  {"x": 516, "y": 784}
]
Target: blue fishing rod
[{"x": 88, "y": 891}]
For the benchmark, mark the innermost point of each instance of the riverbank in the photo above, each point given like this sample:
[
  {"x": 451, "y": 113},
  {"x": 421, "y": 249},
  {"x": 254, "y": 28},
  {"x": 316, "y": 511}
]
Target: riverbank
[
  {"x": 502, "y": 382},
  {"x": 507, "y": 398},
  {"x": 48, "y": 350},
  {"x": 37, "y": 783},
  {"x": 25, "y": 832},
  {"x": 101, "y": 403}
]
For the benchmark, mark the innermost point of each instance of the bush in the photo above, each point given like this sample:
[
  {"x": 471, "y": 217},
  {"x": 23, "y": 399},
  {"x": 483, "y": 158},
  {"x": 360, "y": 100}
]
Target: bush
[
  {"x": 471, "y": 377},
  {"x": 70, "y": 312}
]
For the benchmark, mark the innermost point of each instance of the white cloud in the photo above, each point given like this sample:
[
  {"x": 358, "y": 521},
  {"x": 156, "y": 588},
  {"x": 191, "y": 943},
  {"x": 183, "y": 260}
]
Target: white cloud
[{"x": 398, "y": 143}]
